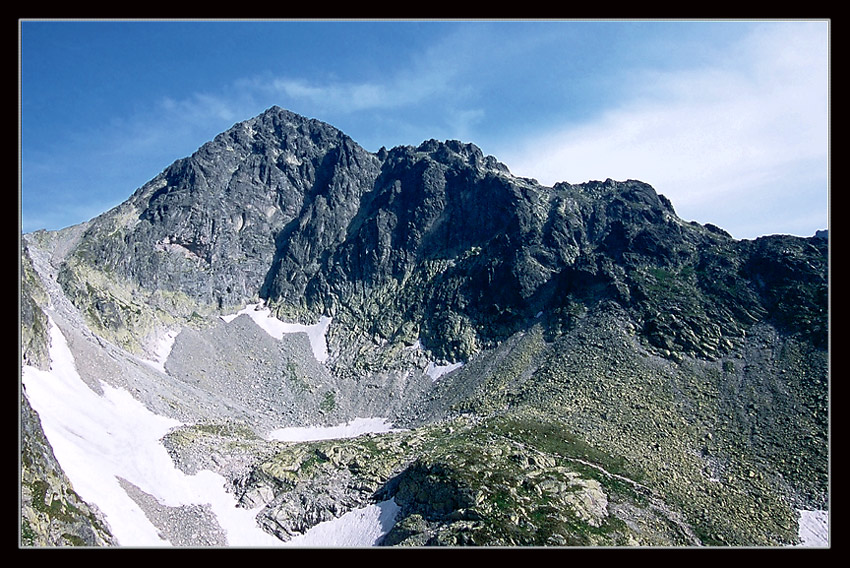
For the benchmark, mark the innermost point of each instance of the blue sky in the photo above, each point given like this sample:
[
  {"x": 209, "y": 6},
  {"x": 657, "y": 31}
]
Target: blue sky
[{"x": 729, "y": 119}]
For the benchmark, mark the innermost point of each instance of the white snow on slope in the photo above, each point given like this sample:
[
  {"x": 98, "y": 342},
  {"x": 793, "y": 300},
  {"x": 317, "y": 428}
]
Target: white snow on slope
[
  {"x": 276, "y": 328},
  {"x": 162, "y": 350},
  {"x": 98, "y": 439},
  {"x": 433, "y": 370},
  {"x": 814, "y": 528},
  {"x": 352, "y": 429},
  {"x": 436, "y": 371},
  {"x": 358, "y": 528}
]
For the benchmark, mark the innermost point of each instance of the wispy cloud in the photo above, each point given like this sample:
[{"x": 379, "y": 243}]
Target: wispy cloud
[
  {"x": 405, "y": 86},
  {"x": 430, "y": 83},
  {"x": 756, "y": 126},
  {"x": 344, "y": 97}
]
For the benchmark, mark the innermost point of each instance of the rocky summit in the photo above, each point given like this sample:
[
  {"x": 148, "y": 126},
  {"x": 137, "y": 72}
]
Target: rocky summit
[{"x": 571, "y": 365}]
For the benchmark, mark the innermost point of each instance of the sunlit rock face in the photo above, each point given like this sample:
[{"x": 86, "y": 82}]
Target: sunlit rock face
[{"x": 566, "y": 365}]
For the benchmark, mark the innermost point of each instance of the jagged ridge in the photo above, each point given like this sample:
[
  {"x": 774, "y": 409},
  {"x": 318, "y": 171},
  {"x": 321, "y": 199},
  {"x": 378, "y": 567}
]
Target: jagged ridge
[{"x": 436, "y": 242}]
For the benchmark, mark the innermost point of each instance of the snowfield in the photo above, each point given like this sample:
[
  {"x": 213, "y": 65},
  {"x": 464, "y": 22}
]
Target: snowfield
[
  {"x": 317, "y": 333},
  {"x": 162, "y": 350},
  {"x": 436, "y": 371},
  {"x": 100, "y": 440},
  {"x": 358, "y": 528}
]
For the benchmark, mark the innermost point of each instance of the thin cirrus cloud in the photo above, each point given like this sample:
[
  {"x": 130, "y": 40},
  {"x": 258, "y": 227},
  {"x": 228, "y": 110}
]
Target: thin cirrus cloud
[
  {"x": 405, "y": 89},
  {"x": 350, "y": 97},
  {"x": 413, "y": 79},
  {"x": 745, "y": 144}
]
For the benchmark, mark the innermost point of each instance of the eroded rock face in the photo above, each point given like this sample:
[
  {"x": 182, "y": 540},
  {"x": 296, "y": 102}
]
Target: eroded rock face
[{"x": 211, "y": 225}]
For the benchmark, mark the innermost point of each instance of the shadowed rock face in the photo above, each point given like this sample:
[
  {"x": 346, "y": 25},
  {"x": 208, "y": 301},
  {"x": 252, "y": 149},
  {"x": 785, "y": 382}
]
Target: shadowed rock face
[{"x": 590, "y": 308}]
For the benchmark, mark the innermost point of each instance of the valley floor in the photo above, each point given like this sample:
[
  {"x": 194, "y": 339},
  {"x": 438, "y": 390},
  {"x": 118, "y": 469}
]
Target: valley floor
[{"x": 110, "y": 447}]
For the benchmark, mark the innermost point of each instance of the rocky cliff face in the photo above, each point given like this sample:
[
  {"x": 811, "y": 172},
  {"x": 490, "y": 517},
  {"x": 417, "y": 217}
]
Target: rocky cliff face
[{"x": 628, "y": 377}]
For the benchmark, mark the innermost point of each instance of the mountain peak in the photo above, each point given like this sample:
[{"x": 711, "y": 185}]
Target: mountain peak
[
  {"x": 292, "y": 210},
  {"x": 598, "y": 349}
]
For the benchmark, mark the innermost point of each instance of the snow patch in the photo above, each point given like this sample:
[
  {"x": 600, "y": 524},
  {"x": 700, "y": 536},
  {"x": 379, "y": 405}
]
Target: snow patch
[
  {"x": 436, "y": 371},
  {"x": 433, "y": 370},
  {"x": 814, "y": 528},
  {"x": 162, "y": 350},
  {"x": 98, "y": 439},
  {"x": 276, "y": 328},
  {"x": 352, "y": 429},
  {"x": 360, "y": 527}
]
